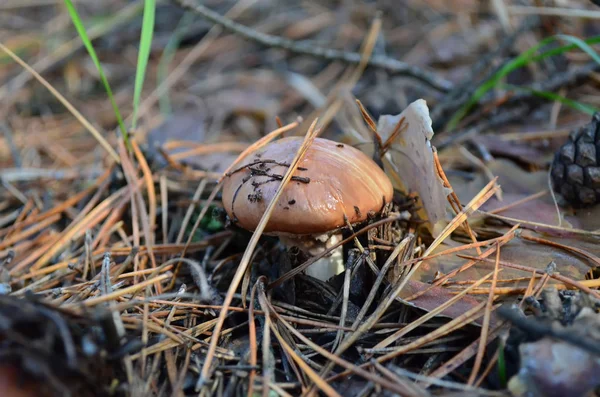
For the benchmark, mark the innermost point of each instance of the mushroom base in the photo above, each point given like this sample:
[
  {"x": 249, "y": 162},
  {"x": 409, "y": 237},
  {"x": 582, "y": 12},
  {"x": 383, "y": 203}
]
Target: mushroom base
[{"x": 313, "y": 245}]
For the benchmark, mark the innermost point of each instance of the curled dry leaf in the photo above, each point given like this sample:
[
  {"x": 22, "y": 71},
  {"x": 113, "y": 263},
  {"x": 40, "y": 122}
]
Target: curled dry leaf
[{"x": 409, "y": 161}]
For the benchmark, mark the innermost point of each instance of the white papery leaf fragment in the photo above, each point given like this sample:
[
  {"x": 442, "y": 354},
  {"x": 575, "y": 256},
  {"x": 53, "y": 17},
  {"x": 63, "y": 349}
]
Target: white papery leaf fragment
[{"x": 409, "y": 161}]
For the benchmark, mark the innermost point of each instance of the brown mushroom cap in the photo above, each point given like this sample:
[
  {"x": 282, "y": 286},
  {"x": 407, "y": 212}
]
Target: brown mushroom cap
[{"x": 331, "y": 180}]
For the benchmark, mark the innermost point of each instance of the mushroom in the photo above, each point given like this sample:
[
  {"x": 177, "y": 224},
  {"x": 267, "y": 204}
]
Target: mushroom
[{"x": 333, "y": 181}]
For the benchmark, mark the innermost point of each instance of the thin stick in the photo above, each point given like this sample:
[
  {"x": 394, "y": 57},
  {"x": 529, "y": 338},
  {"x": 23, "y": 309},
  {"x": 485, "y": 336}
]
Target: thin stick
[
  {"x": 307, "y": 48},
  {"x": 537, "y": 225},
  {"x": 164, "y": 202},
  {"x": 452, "y": 197}
]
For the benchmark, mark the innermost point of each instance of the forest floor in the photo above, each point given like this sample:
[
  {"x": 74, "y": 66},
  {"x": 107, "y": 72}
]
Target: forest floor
[{"x": 121, "y": 274}]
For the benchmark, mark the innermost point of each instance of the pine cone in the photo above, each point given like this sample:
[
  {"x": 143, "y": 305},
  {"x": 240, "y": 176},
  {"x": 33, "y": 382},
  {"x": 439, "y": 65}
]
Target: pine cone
[{"x": 576, "y": 166}]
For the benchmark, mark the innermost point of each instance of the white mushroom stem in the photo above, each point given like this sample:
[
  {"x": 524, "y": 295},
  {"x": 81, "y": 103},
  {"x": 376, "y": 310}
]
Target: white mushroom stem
[{"x": 313, "y": 245}]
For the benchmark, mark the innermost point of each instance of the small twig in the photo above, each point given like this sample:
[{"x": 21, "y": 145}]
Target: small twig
[
  {"x": 307, "y": 48},
  {"x": 581, "y": 252}
]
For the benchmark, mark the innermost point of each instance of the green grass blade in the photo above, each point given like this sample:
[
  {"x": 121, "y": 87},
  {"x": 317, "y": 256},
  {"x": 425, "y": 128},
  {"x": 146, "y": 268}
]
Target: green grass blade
[
  {"x": 501, "y": 365},
  {"x": 581, "y": 44},
  {"x": 90, "y": 49},
  {"x": 582, "y": 107},
  {"x": 143, "y": 55},
  {"x": 520, "y": 61},
  {"x": 565, "y": 48}
]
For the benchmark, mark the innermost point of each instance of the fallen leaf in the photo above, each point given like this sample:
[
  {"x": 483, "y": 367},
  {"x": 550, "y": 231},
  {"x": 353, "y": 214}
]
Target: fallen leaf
[
  {"x": 436, "y": 296},
  {"x": 538, "y": 210},
  {"x": 522, "y": 151},
  {"x": 518, "y": 184},
  {"x": 517, "y": 251}
]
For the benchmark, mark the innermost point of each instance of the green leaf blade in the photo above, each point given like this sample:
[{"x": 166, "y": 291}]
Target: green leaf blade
[
  {"x": 90, "y": 49},
  {"x": 524, "y": 59},
  {"x": 143, "y": 55}
]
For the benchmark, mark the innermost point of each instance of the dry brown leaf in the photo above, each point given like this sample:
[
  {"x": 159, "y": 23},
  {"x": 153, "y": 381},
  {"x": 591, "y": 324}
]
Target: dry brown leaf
[
  {"x": 522, "y": 151},
  {"x": 534, "y": 255},
  {"x": 538, "y": 210},
  {"x": 436, "y": 296},
  {"x": 518, "y": 184}
]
